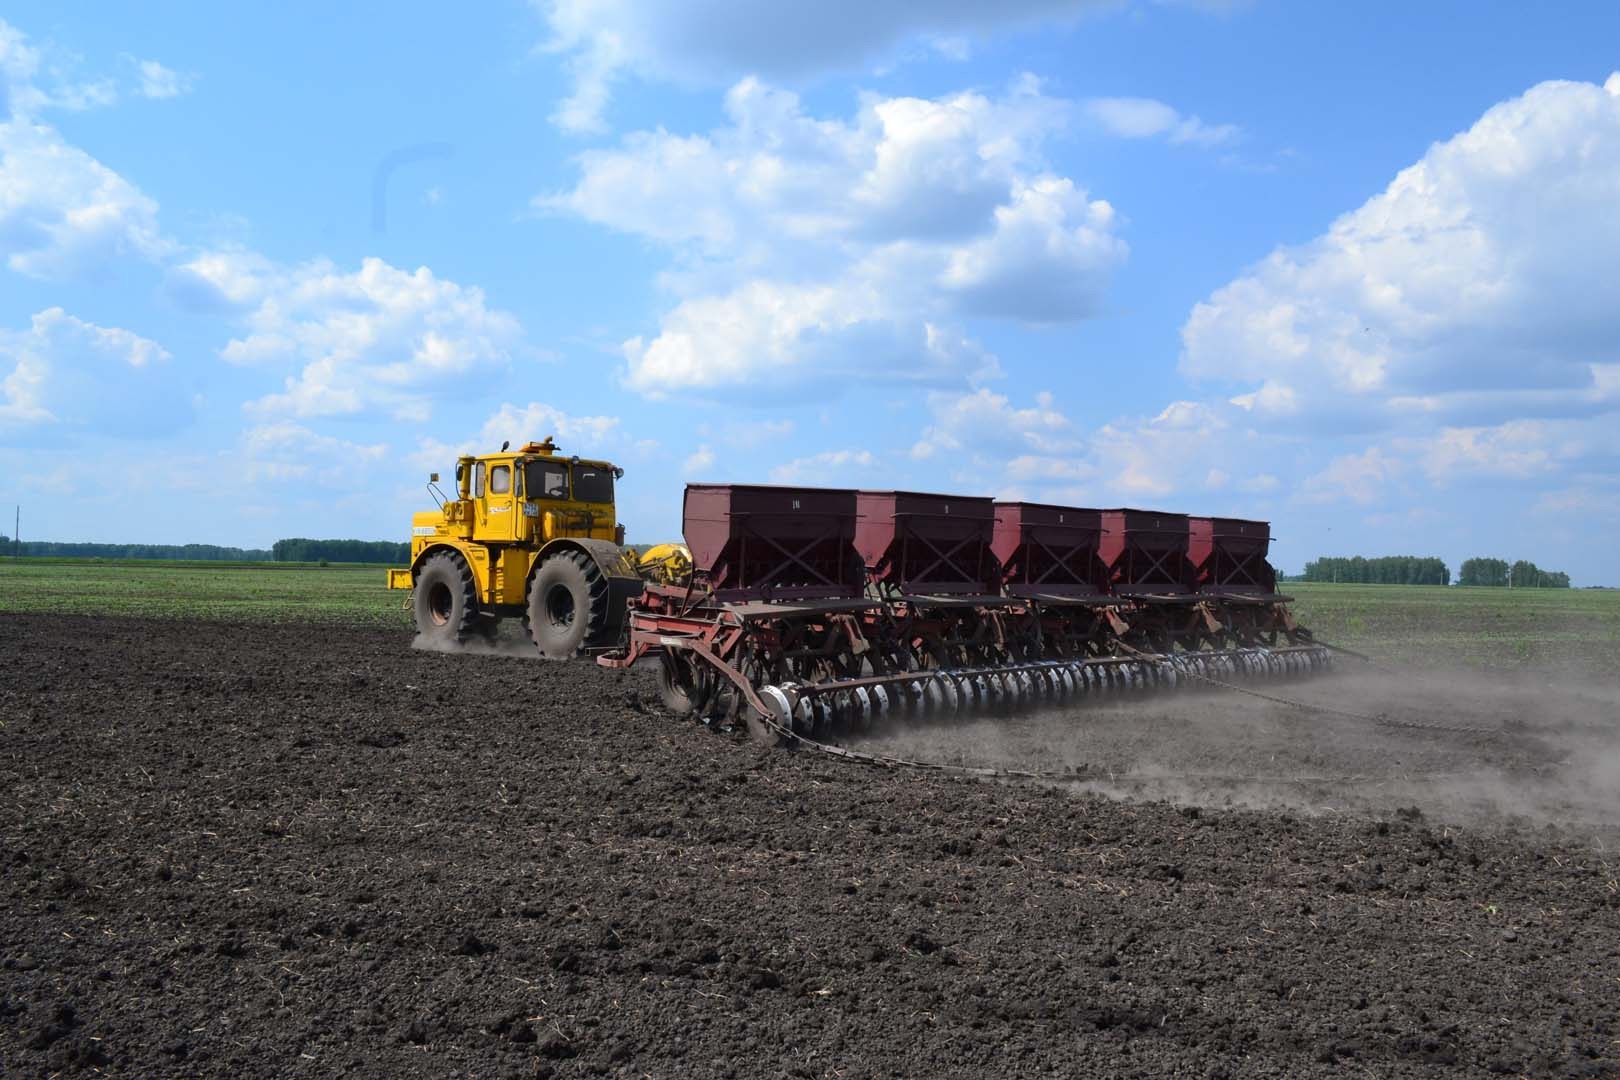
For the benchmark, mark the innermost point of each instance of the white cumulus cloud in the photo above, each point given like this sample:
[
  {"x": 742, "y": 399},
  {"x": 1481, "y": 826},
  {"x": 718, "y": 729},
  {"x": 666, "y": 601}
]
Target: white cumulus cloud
[
  {"x": 23, "y": 93},
  {"x": 1190, "y": 452},
  {"x": 159, "y": 82},
  {"x": 1145, "y": 118},
  {"x": 65, "y": 374},
  {"x": 1456, "y": 331},
  {"x": 699, "y": 460},
  {"x": 1362, "y": 477},
  {"x": 984, "y": 421},
  {"x": 810, "y": 249},
  {"x": 586, "y": 435},
  {"x": 717, "y": 41},
  {"x": 283, "y": 451},
  {"x": 33, "y": 80},
  {"x": 1048, "y": 258},
  {"x": 830, "y": 468},
  {"x": 63, "y": 214},
  {"x": 1516, "y": 448},
  {"x": 774, "y": 339},
  {"x": 375, "y": 339},
  {"x": 899, "y": 168},
  {"x": 1473, "y": 290}
]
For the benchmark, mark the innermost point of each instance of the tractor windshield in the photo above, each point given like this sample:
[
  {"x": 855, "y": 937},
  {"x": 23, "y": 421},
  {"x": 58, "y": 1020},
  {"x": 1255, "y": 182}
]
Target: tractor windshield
[
  {"x": 593, "y": 484},
  {"x": 545, "y": 480}
]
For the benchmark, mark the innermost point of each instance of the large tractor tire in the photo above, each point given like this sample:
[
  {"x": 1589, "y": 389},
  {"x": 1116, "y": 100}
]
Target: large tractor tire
[
  {"x": 446, "y": 602},
  {"x": 569, "y": 605}
]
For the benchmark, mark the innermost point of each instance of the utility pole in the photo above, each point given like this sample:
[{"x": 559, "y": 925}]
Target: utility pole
[{"x": 16, "y": 534}]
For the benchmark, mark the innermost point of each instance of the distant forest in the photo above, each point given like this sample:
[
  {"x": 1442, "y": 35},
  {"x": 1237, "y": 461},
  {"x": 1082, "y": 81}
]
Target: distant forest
[
  {"x": 55, "y": 549},
  {"x": 293, "y": 550},
  {"x": 1385, "y": 570},
  {"x": 1416, "y": 570},
  {"x": 1522, "y": 574},
  {"x": 371, "y": 551}
]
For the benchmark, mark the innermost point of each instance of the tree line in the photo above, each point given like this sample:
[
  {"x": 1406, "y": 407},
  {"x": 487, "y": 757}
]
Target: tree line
[
  {"x": 1384, "y": 570},
  {"x": 58, "y": 549},
  {"x": 1417, "y": 570},
  {"x": 291, "y": 550},
  {"x": 1499, "y": 573},
  {"x": 299, "y": 549}
]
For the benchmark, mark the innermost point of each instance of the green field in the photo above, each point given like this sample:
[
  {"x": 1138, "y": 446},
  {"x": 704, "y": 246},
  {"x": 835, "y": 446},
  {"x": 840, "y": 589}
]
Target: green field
[
  {"x": 277, "y": 592},
  {"x": 1545, "y": 628},
  {"x": 1428, "y": 625}
]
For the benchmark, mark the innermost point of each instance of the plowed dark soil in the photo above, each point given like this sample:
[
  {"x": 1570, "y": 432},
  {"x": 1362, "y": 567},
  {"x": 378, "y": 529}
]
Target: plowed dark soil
[{"x": 295, "y": 851}]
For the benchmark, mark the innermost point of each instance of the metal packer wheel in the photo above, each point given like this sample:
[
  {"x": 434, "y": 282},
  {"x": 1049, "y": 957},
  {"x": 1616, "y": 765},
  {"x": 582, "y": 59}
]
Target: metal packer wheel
[{"x": 675, "y": 684}]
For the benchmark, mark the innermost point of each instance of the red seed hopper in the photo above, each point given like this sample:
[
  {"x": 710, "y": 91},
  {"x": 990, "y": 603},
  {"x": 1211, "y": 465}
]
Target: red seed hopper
[
  {"x": 918, "y": 544},
  {"x": 1051, "y": 551},
  {"x": 1228, "y": 556},
  {"x": 751, "y": 541}
]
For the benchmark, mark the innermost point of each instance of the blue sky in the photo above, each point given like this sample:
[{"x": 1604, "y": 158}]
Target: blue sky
[{"x": 1346, "y": 267}]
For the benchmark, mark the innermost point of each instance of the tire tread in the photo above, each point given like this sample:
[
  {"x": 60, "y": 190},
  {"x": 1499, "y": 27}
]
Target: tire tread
[
  {"x": 596, "y": 611},
  {"x": 461, "y": 575}
]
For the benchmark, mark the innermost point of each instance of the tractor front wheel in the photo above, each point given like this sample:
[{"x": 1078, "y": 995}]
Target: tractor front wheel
[
  {"x": 445, "y": 601},
  {"x": 568, "y": 605}
]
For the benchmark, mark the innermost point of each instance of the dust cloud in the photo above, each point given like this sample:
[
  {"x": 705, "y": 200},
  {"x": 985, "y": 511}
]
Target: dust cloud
[
  {"x": 509, "y": 640},
  {"x": 1548, "y": 753}
]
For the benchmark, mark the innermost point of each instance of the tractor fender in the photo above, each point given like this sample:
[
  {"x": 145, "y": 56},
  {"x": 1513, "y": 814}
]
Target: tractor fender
[
  {"x": 474, "y": 560},
  {"x": 624, "y": 584},
  {"x": 608, "y": 556}
]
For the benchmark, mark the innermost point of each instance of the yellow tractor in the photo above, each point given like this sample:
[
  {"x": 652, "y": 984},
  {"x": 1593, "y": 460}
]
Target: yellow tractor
[{"x": 530, "y": 534}]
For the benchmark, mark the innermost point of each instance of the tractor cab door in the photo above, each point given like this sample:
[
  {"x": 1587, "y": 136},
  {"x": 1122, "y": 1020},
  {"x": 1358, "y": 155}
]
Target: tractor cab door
[{"x": 495, "y": 496}]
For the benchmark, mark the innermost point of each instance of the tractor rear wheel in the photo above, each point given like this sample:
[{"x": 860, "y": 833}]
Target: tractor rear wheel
[
  {"x": 445, "y": 601},
  {"x": 568, "y": 605}
]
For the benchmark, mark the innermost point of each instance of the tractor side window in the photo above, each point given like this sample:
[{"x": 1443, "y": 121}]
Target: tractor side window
[
  {"x": 500, "y": 480},
  {"x": 593, "y": 484},
  {"x": 478, "y": 480},
  {"x": 546, "y": 480}
]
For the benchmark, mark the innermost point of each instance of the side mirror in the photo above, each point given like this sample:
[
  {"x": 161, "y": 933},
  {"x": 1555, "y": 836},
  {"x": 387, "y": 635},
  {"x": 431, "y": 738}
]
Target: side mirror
[
  {"x": 459, "y": 470},
  {"x": 433, "y": 478}
]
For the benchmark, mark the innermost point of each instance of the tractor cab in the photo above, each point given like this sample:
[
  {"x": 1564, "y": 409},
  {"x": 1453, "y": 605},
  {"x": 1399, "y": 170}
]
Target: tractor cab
[{"x": 534, "y": 494}]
